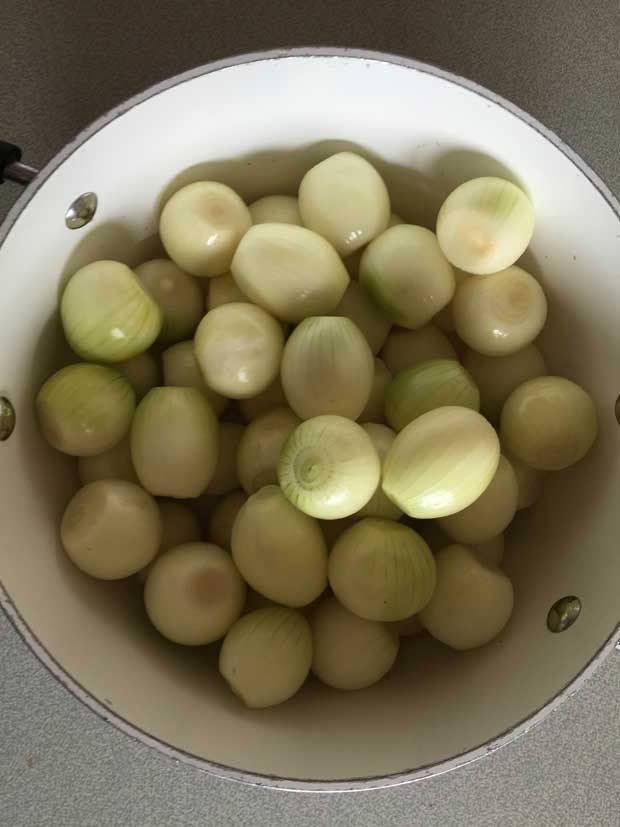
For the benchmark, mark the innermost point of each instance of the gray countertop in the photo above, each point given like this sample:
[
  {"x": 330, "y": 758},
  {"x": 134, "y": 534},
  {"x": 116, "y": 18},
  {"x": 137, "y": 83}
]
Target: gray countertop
[{"x": 64, "y": 63}]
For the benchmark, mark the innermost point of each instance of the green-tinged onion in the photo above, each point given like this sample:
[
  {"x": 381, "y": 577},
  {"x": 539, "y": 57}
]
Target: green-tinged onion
[
  {"x": 289, "y": 271},
  {"x": 501, "y": 313},
  {"x": 223, "y": 517},
  {"x": 181, "y": 370},
  {"x": 201, "y": 226},
  {"x": 530, "y": 482},
  {"x": 223, "y": 290},
  {"x": 260, "y": 446},
  {"x": 178, "y": 295},
  {"x": 272, "y": 397},
  {"x": 490, "y": 514},
  {"x": 350, "y": 652},
  {"x": 193, "y": 594},
  {"x": 352, "y": 260},
  {"x": 549, "y": 423},
  {"x": 375, "y": 407},
  {"x": 225, "y": 478},
  {"x": 441, "y": 462},
  {"x": 85, "y": 409},
  {"x": 344, "y": 199},
  {"x": 113, "y": 464},
  {"x": 329, "y": 467},
  {"x": 141, "y": 371},
  {"x": 406, "y": 275},
  {"x": 356, "y": 305},
  {"x": 491, "y": 552},
  {"x": 280, "y": 209},
  {"x": 279, "y": 551},
  {"x": 174, "y": 442},
  {"x": 382, "y": 570},
  {"x": 426, "y": 386},
  {"x": 179, "y": 525},
  {"x": 111, "y": 529},
  {"x": 409, "y": 627},
  {"x": 379, "y": 505},
  {"x": 327, "y": 368},
  {"x": 406, "y": 348},
  {"x": 472, "y": 602},
  {"x": 239, "y": 347},
  {"x": 266, "y": 656},
  {"x": 106, "y": 313},
  {"x": 444, "y": 320},
  {"x": 497, "y": 376},
  {"x": 332, "y": 529}
]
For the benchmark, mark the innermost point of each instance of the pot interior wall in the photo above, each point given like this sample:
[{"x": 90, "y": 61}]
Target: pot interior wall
[{"x": 261, "y": 124}]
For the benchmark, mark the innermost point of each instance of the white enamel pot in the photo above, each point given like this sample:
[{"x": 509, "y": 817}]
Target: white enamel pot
[{"x": 257, "y": 122}]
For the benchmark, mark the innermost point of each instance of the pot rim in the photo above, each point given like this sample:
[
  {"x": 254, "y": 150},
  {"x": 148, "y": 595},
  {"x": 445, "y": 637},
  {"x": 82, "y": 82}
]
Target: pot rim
[{"x": 106, "y": 713}]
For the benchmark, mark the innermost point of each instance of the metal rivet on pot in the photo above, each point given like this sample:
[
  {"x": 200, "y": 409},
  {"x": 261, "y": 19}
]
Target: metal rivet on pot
[
  {"x": 81, "y": 211},
  {"x": 7, "y": 418},
  {"x": 563, "y": 613}
]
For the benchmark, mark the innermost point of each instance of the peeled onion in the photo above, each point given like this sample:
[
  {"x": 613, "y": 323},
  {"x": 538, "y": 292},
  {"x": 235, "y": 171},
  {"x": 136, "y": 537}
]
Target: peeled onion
[
  {"x": 113, "y": 464},
  {"x": 490, "y": 552},
  {"x": 141, "y": 371},
  {"x": 407, "y": 348},
  {"x": 260, "y": 446},
  {"x": 281, "y": 209},
  {"x": 225, "y": 478},
  {"x": 530, "y": 482},
  {"x": 179, "y": 525},
  {"x": 177, "y": 294},
  {"x": 444, "y": 320},
  {"x": 181, "y": 370},
  {"x": 356, "y": 305},
  {"x": 272, "y": 397},
  {"x": 375, "y": 407},
  {"x": 223, "y": 290},
  {"x": 223, "y": 517},
  {"x": 379, "y": 505}
]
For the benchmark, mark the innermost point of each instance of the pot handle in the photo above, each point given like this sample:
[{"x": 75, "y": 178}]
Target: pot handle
[{"x": 11, "y": 167}]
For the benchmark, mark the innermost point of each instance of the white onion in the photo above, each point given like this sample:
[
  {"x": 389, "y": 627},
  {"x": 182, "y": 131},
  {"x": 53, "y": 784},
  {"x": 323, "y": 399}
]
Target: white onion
[
  {"x": 501, "y": 313},
  {"x": 352, "y": 260},
  {"x": 179, "y": 525},
  {"x": 406, "y": 275},
  {"x": 375, "y": 407},
  {"x": 289, "y": 271},
  {"x": 181, "y": 370},
  {"x": 266, "y": 656},
  {"x": 345, "y": 200},
  {"x": 491, "y": 552},
  {"x": 141, "y": 371},
  {"x": 201, "y": 226},
  {"x": 549, "y": 423},
  {"x": 382, "y": 570},
  {"x": 193, "y": 594},
  {"x": 177, "y": 294},
  {"x": 497, "y": 376},
  {"x": 272, "y": 397},
  {"x": 174, "y": 442},
  {"x": 406, "y": 348},
  {"x": 279, "y": 551},
  {"x": 348, "y": 651},
  {"x": 485, "y": 225},
  {"x": 113, "y": 464},
  {"x": 223, "y": 290},
  {"x": 327, "y": 368},
  {"x": 85, "y": 409},
  {"x": 426, "y": 386},
  {"x": 472, "y": 602},
  {"x": 530, "y": 482},
  {"x": 329, "y": 467},
  {"x": 280, "y": 209},
  {"x": 238, "y": 347},
  {"x": 111, "y": 529},
  {"x": 223, "y": 517},
  {"x": 225, "y": 478},
  {"x": 260, "y": 446},
  {"x": 356, "y": 305},
  {"x": 379, "y": 505},
  {"x": 490, "y": 514},
  {"x": 441, "y": 462}
]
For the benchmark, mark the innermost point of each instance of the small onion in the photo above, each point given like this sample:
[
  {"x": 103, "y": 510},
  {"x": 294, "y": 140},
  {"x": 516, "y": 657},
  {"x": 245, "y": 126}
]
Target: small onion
[
  {"x": 549, "y": 423},
  {"x": 272, "y": 397},
  {"x": 356, "y": 305},
  {"x": 225, "y": 478},
  {"x": 406, "y": 275},
  {"x": 375, "y": 407},
  {"x": 379, "y": 505},
  {"x": 179, "y": 525},
  {"x": 174, "y": 442},
  {"x": 530, "y": 482},
  {"x": 329, "y": 467},
  {"x": 441, "y": 462},
  {"x": 472, "y": 602},
  {"x": 407, "y": 348},
  {"x": 497, "y": 376},
  {"x": 344, "y": 199},
  {"x": 444, "y": 320},
  {"x": 193, "y": 594},
  {"x": 279, "y": 209},
  {"x": 348, "y": 651},
  {"x": 327, "y": 368},
  {"x": 223, "y": 517},
  {"x": 177, "y": 294},
  {"x": 485, "y": 225},
  {"x": 113, "y": 464},
  {"x": 223, "y": 290},
  {"x": 201, "y": 226},
  {"x": 279, "y": 551},
  {"x": 289, "y": 271},
  {"x": 85, "y": 409},
  {"x": 181, "y": 370},
  {"x": 106, "y": 313},
  {"x": 260, "y": 446},
  {"x": 382, "y": 570},
  {"x": 490, "y": 514},
  {"x": 111, "y": 529},
  {"x": 238, "y": 347},
  {"x": 491, "y": 552},
  {"x": 266, "y": 656},
  {"x": 352, "y": 261},
  {"x": 141, "y": 371},
  {"x": 427, "y": 386},
  {"x": 501, "y": 313}
]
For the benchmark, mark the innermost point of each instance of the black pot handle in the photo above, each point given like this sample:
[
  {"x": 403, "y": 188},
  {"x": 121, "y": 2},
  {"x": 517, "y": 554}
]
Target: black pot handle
[{"x": 11, "y": 167}]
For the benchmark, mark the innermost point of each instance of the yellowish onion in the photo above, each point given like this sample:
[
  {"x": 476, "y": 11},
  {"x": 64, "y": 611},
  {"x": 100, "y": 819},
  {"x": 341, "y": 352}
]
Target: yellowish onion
[
  {"x": 141, "y": 371},
  {"x": 379, "y": 505},
  {"x": 223, "y": 290},
  {"x": 272, "y": 397},
  {"x": 260, "y": 446},
  {"x": 356, "y": 305},
  {"x": 407, "y": 348},
  {"x": 113, "y": 464},
  {"x": 281, "y": 209},
  {"x": 223, "y": 517},
  {"x": 177, "y": 294},
  {"x": 181, "y": 370},
  {"x": 179, "y": 525},
  {"x": 225, "y": 478},
  {"x": 375, "y": 407}
]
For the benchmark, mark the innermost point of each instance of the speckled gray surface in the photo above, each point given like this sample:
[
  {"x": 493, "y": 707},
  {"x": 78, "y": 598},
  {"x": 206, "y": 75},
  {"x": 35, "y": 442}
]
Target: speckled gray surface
[{"x": 62, "y": 64}]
